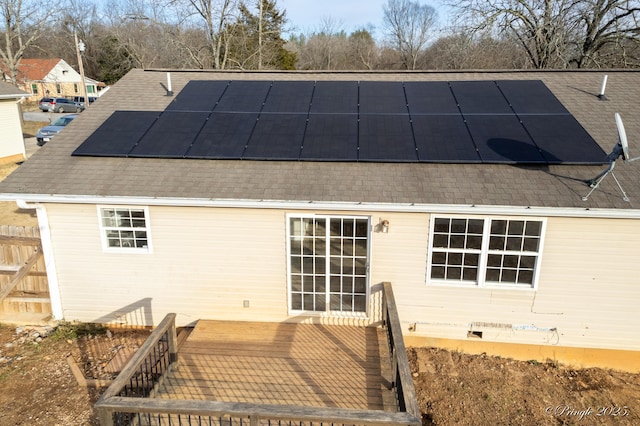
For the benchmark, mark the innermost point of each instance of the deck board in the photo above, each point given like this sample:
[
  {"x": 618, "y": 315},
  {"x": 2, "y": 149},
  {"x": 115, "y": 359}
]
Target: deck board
[{"x": 284, "y": 364}]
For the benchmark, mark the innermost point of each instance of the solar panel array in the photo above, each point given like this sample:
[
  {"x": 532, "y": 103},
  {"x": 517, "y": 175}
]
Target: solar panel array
[{"x": 514, "y": 122}]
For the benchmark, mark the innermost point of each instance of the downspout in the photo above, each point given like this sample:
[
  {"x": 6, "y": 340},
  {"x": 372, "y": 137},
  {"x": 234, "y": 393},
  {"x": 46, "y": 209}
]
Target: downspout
[{"x": 47, "y": 252}]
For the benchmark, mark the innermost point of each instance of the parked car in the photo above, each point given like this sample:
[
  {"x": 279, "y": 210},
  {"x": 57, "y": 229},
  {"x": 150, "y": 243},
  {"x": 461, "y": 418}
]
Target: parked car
[
  {"x": 59, "y": 105},
  {"x": 80, "y": 100},
  {"x": 44, "y": 104},
  {"x": 45, "y": 134}
]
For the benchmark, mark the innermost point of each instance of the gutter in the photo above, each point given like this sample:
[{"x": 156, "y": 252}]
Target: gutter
[
  {"x": 584, "y": 212},
  {"x": 16, "y": 96},
  {"x": 47, "y": 251}
]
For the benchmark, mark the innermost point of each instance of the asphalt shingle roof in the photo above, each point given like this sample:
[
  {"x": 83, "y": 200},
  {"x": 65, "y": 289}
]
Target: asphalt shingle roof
[
  {"x": 9, "y": 91},
  {"x": 35, "y": 69},
  {"x": 53, "y": 171}
]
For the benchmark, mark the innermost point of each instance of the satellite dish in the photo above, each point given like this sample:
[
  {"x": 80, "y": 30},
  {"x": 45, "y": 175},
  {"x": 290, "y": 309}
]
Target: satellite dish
[
  {"x": 621, "y": 149},
  {"x": 622, "y": 137}
]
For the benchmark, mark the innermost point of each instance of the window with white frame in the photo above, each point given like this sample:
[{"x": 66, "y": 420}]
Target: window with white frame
[
  {"x": 485, "y": 251},
  {"x": 124, "y": 228}
]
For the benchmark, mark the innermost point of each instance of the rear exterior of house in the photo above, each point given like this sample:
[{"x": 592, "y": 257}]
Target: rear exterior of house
[{"x": 496, "y": 258}]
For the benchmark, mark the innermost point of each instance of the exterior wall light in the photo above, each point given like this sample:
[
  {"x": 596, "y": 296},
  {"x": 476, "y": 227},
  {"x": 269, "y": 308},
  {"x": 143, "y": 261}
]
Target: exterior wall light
[{"x": 384, "y": 226}]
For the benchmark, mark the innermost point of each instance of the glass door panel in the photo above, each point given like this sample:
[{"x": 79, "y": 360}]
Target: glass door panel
[{"x": 342, "y": 264}]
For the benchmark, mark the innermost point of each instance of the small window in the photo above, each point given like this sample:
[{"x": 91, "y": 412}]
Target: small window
[
  {"x": 91, "y": 89},
  {"x": 58, "y": 88},
  {"x": 125, "y": 229},
  {"x": 75, "y": 87},
  {"x": 485, "y": 251},
  {"x": 34, "y": 88}
]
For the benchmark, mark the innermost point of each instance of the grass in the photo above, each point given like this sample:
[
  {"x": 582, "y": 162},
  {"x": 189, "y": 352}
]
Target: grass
[
  {"x": 30, "y": 128},
  {"x": 71, "y": 331}
]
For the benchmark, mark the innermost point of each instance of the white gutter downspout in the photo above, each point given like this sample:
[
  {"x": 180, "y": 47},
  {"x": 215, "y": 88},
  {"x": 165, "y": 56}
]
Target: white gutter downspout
[{"x": 47, "y": 251}]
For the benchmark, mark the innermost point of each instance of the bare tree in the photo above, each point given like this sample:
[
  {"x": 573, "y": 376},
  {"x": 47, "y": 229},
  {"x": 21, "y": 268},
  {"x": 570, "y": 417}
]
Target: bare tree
[
  {"x": 215, "y": 17},
  {"x": 605, "y": 26},
  {"x": 363, "y": 50},
  {"x": 541, "y": 27},
  {"x": 323, "y": 49},
  {"x": 558, "y": 33},
  {"x": 23, "y": 23},
  {"x": 408, "y": 25},
  {"x": 462, "y": 50},
  {"x": 139, "y": 32}
]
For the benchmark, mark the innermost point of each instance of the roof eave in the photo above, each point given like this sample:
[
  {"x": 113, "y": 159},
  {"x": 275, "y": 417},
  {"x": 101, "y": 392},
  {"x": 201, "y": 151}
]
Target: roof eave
[
  {"x": 16, "y": 96},
  {"x": 34, "y": 200}
]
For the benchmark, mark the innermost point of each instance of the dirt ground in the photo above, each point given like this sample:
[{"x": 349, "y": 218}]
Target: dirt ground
[
  {"x": 459, "y": 389},
  {"x": 37, "y": 386}
]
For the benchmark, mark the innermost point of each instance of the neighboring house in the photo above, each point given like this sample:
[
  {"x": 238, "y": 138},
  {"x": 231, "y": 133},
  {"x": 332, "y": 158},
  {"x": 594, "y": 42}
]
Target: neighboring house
[
  {"x": 51, "y": 78},
  {"x": 12, "y": 148},
  {"x": 485, "y": 237}
]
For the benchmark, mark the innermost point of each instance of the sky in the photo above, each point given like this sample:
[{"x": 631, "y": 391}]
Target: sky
[{"x": 306, "y": 16}]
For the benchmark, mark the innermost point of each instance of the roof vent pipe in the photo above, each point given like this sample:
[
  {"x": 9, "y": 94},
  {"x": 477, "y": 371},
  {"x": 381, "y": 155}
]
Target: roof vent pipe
[
  {"x": 601, "y": 95},
  {"x": 169, "y": 91}
]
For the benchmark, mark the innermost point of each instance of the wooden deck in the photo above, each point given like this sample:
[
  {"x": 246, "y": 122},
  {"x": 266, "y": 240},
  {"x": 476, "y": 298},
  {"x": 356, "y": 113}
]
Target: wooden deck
[{"x": 283, "y": 364}]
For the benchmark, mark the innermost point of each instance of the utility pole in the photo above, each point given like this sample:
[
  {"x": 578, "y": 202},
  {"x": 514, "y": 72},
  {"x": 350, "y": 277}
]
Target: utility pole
[{"x": 79, "y": 49}]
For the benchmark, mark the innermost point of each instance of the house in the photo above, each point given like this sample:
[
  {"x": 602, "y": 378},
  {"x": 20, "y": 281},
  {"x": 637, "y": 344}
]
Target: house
[
  {"x": 12, "y": 143},
  {"x": 491, "y": 236},
  {"x": 52, "y": 77}
]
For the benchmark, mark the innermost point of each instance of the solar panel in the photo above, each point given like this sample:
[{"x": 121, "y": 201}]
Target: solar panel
[
  {"x": 433, "y": 97},
  {"x": 382, "y": 98},
  {"x": 480, "y": 97},
  {"x": 117, "y": 136},
  {"x": 444, "y": 139},
  {"x": 559, "y": 137},
  {"x": 335, "y": 97},
  {"x": 171, "y": 135},
  {"x": 515, "y": 122},
  {"x": 531, "y": 97},
  {"x": 198, "y": 96},
  {"x": 224, "y": 135},
  {"x": 386, "y": 138},
  {"x": 244, "y": 96},
  {"x": 289, "y": 96},
  {"x": 502, "y": 139},
  {"x": 331, "y": 137},
  {"x": 276, "y": 137}
]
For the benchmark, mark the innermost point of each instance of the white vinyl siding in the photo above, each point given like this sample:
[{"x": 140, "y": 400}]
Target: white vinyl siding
[
  {"x": 10, "y": 129},
  {"x": 207, "y": 261},
  {"x": 205, "y": 264}
]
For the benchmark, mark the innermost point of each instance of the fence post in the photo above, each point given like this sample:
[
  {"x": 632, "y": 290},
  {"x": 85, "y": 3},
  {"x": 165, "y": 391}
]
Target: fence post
[
  {"x": 173, "y": 342},
  {"x": 105, "y": 416}
]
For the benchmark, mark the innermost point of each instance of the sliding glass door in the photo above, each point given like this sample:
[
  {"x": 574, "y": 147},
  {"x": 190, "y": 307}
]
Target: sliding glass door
[{"x": 328, "y": 264}]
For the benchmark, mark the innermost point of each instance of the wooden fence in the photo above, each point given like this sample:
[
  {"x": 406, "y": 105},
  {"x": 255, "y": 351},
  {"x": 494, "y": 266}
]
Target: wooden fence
[{"x": 24, "y": 290}]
